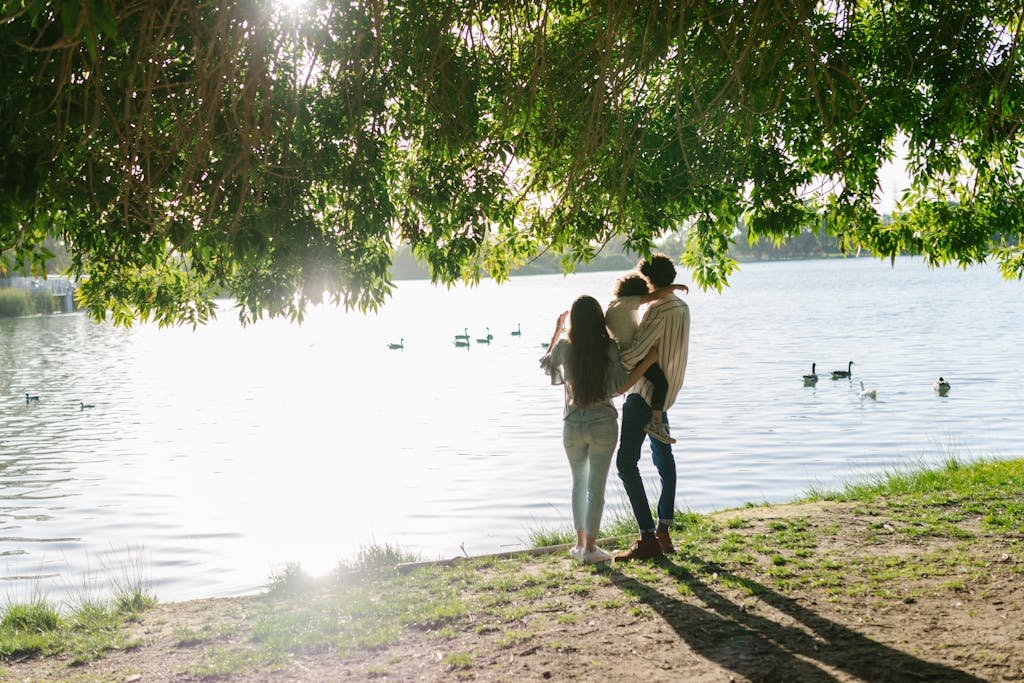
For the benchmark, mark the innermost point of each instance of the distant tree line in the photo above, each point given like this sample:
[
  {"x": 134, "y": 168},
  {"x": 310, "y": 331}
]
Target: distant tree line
[
  {"x": 807, "y": 244},
  {"x": 617, "y": 256}
]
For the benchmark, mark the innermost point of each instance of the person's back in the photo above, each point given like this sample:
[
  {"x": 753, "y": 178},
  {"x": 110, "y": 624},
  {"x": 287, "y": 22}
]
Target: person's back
[
  {"x": 622, "y": 319},
  {"x": 587, "y": 364},
  {"x": 665, "y": 326}
]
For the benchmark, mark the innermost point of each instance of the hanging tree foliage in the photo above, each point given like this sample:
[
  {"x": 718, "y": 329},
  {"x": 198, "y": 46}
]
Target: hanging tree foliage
[{"x": 184, "y": 148}]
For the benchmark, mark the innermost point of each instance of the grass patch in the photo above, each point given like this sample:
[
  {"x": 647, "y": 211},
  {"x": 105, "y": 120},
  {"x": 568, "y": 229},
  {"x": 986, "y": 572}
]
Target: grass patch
[
  {"x": 289, "y": 580},
  {"x": 454, "y": 661},
  {"x": 130, "y": 584},
  {"x": 38, "y": 616},
  {"x": 36, "y": 628},
  {"x": 376, "y": 557},
  {"x": 541, "y": 537},
  {"x": 189, "y": 637},
  {"x": 226, "y": 661},
  {"x": 514, "y": 638},
  {"x": 955, "y": 480}
]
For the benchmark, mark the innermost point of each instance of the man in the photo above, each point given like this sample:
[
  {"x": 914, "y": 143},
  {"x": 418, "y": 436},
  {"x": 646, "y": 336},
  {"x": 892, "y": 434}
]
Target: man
[{"x": 666, "y": 326}]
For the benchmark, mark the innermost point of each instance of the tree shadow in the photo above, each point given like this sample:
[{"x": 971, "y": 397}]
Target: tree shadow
[{"x": 763, "y": 649}]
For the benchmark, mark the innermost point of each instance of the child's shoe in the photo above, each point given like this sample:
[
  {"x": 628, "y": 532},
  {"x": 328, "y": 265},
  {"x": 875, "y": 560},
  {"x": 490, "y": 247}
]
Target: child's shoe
[{"x": 659, "y": 430}]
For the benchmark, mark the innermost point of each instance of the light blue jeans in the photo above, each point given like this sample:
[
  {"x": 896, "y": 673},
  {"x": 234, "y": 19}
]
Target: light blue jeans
[{"x": 589, "y": 439}]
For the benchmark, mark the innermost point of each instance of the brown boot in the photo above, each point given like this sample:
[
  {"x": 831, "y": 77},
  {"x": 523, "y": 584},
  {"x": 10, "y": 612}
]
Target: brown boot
[
  {"x": 643, "y": 549},
  {"x": 665, "y": 542}
]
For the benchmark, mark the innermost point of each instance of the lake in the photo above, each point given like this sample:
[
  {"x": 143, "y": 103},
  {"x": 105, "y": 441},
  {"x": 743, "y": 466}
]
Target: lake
[{"x": 211, "y": 458}]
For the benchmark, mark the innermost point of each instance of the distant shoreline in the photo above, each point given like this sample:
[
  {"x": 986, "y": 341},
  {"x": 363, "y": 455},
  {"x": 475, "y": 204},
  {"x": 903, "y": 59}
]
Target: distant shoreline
[{"x": 627, "y": 266}]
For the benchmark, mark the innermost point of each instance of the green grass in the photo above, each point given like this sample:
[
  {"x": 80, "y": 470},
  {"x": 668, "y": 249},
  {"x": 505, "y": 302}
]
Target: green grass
[
  {"x": 951, "y": 482},
  {"x": 541, "y": 537},
  {"x": 85, "y": 634},
  {"x": 514, "y": 638},
  {"x": 289, "y": 580},
  {"x": 376, "y": 557},
  {"x": 934, "y": 501},
  {"x": 37, "y": 616},
  {"x": 226, "y": 661},
  {"x": 189, "y": 637},
  {"x": 87, "y": 627},
  {"x": 458, "y": 660}
]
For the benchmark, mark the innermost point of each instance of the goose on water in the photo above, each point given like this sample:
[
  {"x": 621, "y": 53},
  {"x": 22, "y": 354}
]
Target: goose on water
[
  {"x": 85, "y": 406},
  {"x": 31, "y": 399},
  {"x": 465, "y": 334},
  {"x": 813, "y": 377},
  {"x": 840, "y": 374},
  {"x": 399, "y": 345},
  {"x": 941, "y": 387},
  {"x": 462, "y": 343},
  {"x": 867, "y": 393},
  {"x": 518, "y": 331},
  {"x": 487, "y": 339}
]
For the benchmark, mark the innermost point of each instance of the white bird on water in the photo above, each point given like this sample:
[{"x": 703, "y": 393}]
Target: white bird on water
[
  {"x": 871, "y": 393},
  {"x": 941, "y": 387}
]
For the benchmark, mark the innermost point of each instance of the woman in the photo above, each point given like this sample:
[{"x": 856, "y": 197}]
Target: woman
[{"x": 587, "y": 363}]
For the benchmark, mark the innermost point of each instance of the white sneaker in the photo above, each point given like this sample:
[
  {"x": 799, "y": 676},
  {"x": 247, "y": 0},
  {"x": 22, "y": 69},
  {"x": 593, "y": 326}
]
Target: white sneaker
[
  {"x": 596, "y": 555},
  {"x": 659, "y": 430},
  {"x": 576, "y": 552}
]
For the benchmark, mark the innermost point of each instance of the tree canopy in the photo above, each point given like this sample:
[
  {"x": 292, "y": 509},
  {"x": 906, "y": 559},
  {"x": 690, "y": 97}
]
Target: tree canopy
[{"x": 279, "y": 152}]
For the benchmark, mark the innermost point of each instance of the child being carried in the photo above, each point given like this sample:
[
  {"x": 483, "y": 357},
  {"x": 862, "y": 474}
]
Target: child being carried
[{"x": 632, "y": 291}]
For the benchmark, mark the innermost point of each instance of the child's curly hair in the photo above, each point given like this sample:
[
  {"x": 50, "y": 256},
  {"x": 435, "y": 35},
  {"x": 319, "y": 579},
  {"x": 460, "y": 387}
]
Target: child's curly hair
[{"x": 631, "y": 284}]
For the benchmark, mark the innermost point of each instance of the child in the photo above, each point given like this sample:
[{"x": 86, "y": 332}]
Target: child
[{"x": 621, "y": 318}]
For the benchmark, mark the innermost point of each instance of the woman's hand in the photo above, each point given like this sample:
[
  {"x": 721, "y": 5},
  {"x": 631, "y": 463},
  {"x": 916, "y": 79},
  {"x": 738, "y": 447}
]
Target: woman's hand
[{"x": 559, "y": 326}]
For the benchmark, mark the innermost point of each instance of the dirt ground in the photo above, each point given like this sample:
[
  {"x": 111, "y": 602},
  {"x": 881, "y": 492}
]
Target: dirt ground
[{"x": 673, "y": 624}]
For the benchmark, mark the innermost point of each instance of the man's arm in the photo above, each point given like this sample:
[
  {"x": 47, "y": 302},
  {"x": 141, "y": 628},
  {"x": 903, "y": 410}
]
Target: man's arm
[
  {"x": 662, "y": 292},
  {"x": 647, "y": 335},
  {"x": 636, "y": 373}
]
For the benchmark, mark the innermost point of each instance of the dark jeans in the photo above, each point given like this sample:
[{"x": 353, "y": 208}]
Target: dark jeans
[
  {"x": 635, "y": 416},
  {"x": 659, "y": 386}
]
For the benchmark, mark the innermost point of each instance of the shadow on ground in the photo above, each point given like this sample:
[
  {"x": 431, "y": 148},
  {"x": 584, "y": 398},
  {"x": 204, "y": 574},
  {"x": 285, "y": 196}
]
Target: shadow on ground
[{"x": 800, "y": 646}]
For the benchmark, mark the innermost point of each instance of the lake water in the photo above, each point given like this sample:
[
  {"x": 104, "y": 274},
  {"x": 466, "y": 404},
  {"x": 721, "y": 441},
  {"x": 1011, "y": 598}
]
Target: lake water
[{"x": 213, "y": 457}]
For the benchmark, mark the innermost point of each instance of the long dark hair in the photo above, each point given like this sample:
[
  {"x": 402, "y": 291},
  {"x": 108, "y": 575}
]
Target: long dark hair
[{"x": 588, "y": 361}]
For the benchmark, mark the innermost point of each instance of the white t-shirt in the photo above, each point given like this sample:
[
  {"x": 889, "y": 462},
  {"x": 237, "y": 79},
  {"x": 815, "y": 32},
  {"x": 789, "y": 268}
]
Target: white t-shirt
[{"x": 622, "y": 319}]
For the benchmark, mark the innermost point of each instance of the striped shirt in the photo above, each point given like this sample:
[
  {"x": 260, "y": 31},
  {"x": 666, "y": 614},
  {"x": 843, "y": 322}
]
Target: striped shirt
[{"x": 665, "y": 325}]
